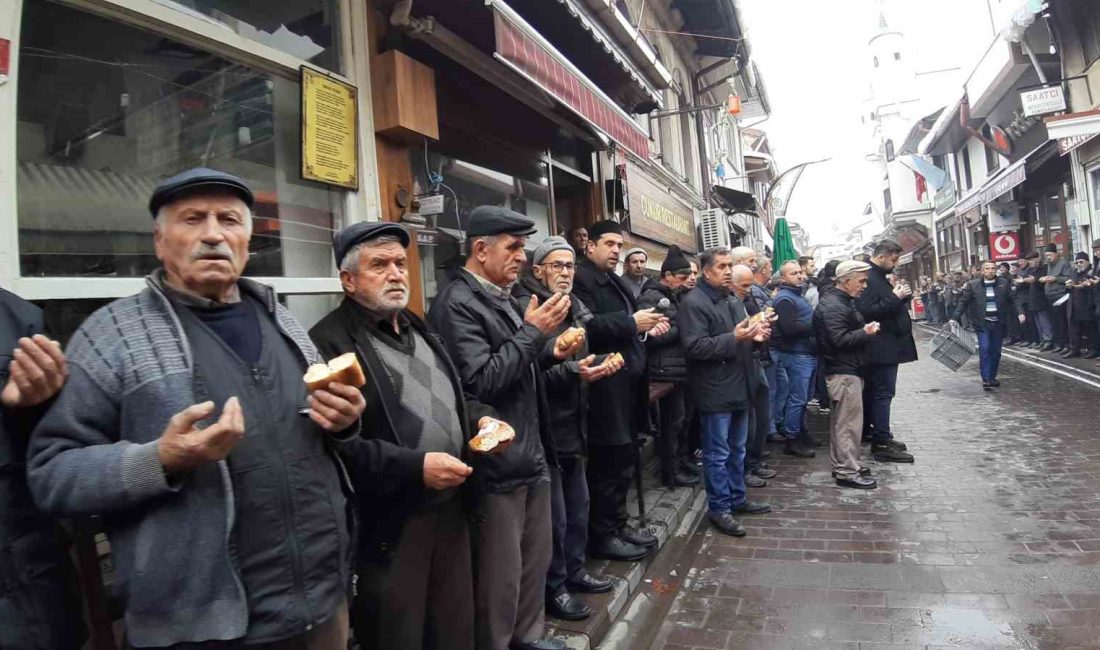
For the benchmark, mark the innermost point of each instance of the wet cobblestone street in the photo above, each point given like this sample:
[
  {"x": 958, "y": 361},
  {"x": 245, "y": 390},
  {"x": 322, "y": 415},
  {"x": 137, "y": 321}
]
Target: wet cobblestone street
[{"x": 991, "y": 539}]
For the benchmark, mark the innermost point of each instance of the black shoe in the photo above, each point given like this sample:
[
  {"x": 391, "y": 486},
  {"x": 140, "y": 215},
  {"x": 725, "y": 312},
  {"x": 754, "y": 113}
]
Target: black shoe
[
  {"x": 795, "y": 448},
  {"x": 888, "y": 454},
  {"x": 764, "y": 472},
  {"x": 777, "y": 438},
  {"x": 614, "y": 548},
  {"x": 638, "y": 536},
  {"x": 986, "y": 385},
  {"x": 893, "y": 443},
  {"x": 857, "y": 482},
  {"x": 1091, "y": 355},
  {"x": 590, "y": 584},
  {"x": 1046, "y": 347},
  {"x": 863, "y": 471},
  {"x": 1072, "y": 354},
  {"x": 808, "y": 440},
  {"x": 681, "y": 479},
  {"x": 567, "y": 607},
  {"x": 751, "y": 508},
  {"x": 754, "y": 481},
  {"x": 994, "y": 383},
  {"x": 690, "y": 468},
  {"x": 765, "y": 454},
  {"x": 726, "y": 524},
  {"x": 543, "y": 644}
]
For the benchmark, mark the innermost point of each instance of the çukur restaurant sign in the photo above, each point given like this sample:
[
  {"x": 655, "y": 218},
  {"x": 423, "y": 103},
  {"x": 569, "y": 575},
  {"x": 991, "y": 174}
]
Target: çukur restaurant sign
[{"x": 656, "y": 214}]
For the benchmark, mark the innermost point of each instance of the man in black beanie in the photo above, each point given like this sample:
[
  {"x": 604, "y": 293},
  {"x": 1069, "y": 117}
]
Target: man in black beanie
[
  {"x": 666, "y": 363},
  {"x": 618, "y": 404}
]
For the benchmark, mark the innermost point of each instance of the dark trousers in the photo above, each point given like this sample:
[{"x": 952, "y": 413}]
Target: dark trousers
[
  {"x": 569, "y": 516},
  {"x": 673, "y": 443},
  {"x": 1028, "y": 331},
  {"x": 989, "y": 350},
  {"x": 514, "y": 544},
  {"x": 1015, "y": 329},
  {"x": 423, "y": 596},
  {"x": 1083, "y": 335},
  {"x": 879, "y": 385},
  {"x": 610, "y": 468},
  {"x": 821, "y": 392},
  {"x": 760, "y": 424},
  {"x": 1061, "y": 325}
]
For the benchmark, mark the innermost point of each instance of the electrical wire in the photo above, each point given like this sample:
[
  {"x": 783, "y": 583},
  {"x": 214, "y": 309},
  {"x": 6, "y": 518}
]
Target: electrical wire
[{"x": 693, "y": 35}]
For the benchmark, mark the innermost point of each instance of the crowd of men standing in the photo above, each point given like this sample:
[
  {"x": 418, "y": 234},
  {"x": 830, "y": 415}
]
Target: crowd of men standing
[{"x": 245, "y": 510}]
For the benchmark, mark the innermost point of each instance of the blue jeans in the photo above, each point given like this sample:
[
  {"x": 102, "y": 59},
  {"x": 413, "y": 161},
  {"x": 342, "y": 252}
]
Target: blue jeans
[
  {"x": 1045, "y": 325},
  {"x": 879, "y": 385},
  {"x": 777, "y": 391},
  {"x": 771, "y": 373},
  {"x": 989, "y": 350},
  {"x": 798, "y": 370},
  {"x": 724, "y": 437}
]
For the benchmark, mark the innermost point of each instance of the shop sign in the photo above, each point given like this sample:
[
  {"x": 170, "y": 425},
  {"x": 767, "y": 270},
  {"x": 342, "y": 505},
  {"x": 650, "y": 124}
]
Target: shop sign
[
  {"x": 1012, "y": 177},
  {"x": 656, "y": 214},
  {"x": 1004, "y": 246},
  {"x": 1004, "y": 217},
  {"x": 1066, "y": 145},
  {"x": 430, "y": 204},
  {"x": 1043, "y": 100},
  {"x": 969, "y": 201},
  {"x": 427, "y": 237},
  {"x": 330, "y": 130},
  {"x": 5, "y": 59},
  {"x": 944, "y": 198}
]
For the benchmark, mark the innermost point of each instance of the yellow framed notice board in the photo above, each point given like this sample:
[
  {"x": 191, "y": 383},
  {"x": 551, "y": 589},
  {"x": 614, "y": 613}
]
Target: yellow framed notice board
[{"x": 330, "y": 130}]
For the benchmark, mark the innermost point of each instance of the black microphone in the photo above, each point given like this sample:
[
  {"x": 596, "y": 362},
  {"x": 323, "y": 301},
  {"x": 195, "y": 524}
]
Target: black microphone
[{"x": 663, "y": 305}]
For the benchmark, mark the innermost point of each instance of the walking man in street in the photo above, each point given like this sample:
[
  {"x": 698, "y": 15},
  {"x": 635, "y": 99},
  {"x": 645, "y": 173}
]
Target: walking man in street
[
  {"x": 620, "y": 403},
  {"x": 722, "y": 373},
  {"x": 185, "y": 425},
  {"x": 1054, "y": 288},
  {"x": 567, "y": 387},
  {"x": 665, "y": 363},
  {"x": 796, "y": 350},
  {"x": 496, "y": 343},
  {"x": 843, "y": 338},
  {"x": 893, "y": 346},
  {"x": 411, "y": 464},
  {"x": 991, "y": 305}
]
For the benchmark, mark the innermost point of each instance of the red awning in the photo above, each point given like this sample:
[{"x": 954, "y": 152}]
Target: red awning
[{"x": 523, "y": 50}]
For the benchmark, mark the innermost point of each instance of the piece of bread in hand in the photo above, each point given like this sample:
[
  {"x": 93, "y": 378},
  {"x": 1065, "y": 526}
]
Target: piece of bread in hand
[
  {"x": 614, "y": 357},
  {"x": 493, "y": 437},
  {"x": 569, "y": 338},
  {"x": 343, "y": 369}
]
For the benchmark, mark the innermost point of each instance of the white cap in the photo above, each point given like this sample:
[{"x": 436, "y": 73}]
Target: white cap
[{"x": 851, "y": 266}]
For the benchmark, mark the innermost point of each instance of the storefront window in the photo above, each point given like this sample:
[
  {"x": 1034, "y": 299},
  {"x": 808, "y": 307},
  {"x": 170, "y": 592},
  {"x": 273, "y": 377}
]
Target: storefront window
[
  {"x": 464, "y": 186},
  {"x": 1049, "y": 219},
  {"x": 106, "y": 110},
  {"x": 305, "y": 29}
]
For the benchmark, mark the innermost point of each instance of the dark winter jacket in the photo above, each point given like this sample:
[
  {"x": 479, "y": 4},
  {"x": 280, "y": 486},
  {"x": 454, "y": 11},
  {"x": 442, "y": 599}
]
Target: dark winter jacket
[
  {"x": 386, "y": 467},
  {"x": 841, "y": 341},
  {"x": 973, "y": 301},
  {"x": 665, "y": 353},
  {"x": 894, "y": 343},
  {"x": 622, "y": 400},
  {"x": 497, "y": 354},
  {"x": 722, "y": 371},
  {"x": 1037, "y": 295},
  {"x": 39, "y": 609},
  {"x": 1081, "y": 305},
  {"x": 173, "y": 541},
  {"x": 794, "y": 330},
  {"x": 566, "y": 394},
  {"x": 1060, "y": 271}
]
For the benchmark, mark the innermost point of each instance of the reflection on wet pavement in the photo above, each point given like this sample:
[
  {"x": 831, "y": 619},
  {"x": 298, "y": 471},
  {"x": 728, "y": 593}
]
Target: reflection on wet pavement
[{"x": 992, "y": 539}]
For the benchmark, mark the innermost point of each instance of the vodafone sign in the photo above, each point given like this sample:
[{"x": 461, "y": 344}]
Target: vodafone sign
[{"x": 1004, "y": 246}]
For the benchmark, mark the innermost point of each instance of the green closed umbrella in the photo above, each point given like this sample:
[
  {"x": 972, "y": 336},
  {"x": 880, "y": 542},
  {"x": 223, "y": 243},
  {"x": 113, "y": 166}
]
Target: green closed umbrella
[{"x": 784, "y": 244}]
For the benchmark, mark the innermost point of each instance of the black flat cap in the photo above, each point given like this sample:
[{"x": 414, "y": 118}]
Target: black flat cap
[
  {"x": 1096, "y": 243},
  {"x": 1051, "y": 248},
  {"x": 196, "y": 180},
  {"x": 605, "y": 227},
  {"x": 488, "y": 220},
  {"x": 357, "y": 233}
]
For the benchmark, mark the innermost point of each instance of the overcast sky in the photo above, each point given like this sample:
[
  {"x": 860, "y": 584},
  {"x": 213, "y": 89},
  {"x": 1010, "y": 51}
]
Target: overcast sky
[{"x": 814, "y": 60}]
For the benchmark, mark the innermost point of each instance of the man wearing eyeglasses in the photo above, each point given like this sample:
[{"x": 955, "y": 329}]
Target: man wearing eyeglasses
[{"x": 552, "y": 271}]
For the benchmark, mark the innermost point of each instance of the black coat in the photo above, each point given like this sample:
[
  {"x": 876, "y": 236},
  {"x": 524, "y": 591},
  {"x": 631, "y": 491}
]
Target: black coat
[
  {"x": 972, "y": 301},
  {"x": 387, "y": 473},
  {"x": 39, "y": 609},
  {"x": 566, "y": 394},
  {"x": 894, "y": 343},
  {"x": 665, "y": 354},
  {"x": 722, "y": 371},
  {"x": 1081, "y": 305},
  {"x": 622, "y": 400},
  {"x": 841, "y": 341},
  {"x": 498, "y": 363}
]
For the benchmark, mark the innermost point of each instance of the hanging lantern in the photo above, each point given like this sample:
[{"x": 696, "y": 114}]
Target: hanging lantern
[{"x": 733, "y": 105}]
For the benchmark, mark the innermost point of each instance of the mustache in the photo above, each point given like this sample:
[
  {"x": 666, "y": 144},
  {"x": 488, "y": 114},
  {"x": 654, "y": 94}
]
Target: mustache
[
  {"x": 207, "y": 252},
  {"x": 395, "y": 286}
]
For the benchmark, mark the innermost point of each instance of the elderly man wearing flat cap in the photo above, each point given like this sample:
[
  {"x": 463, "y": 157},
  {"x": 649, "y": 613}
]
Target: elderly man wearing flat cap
[
  {"x": 411, "y": 467},
  {"x": 495, "y": 342},
  {"x": 842, "y": 341},
  {"x": 186, "y": 425}
]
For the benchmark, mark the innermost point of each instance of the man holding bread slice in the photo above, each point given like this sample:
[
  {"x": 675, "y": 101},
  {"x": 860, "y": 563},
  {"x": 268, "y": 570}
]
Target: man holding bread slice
[
  {"x": 186, "y": 425},
  {"x": 552, "y": 271},
  {"x": 496, "y": 343},
  {"x": 409, "y": 466}
]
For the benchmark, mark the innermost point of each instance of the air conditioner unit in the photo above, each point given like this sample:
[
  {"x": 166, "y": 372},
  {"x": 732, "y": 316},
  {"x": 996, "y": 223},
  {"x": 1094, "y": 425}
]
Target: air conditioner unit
[{"x": 714, "y": 227}]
